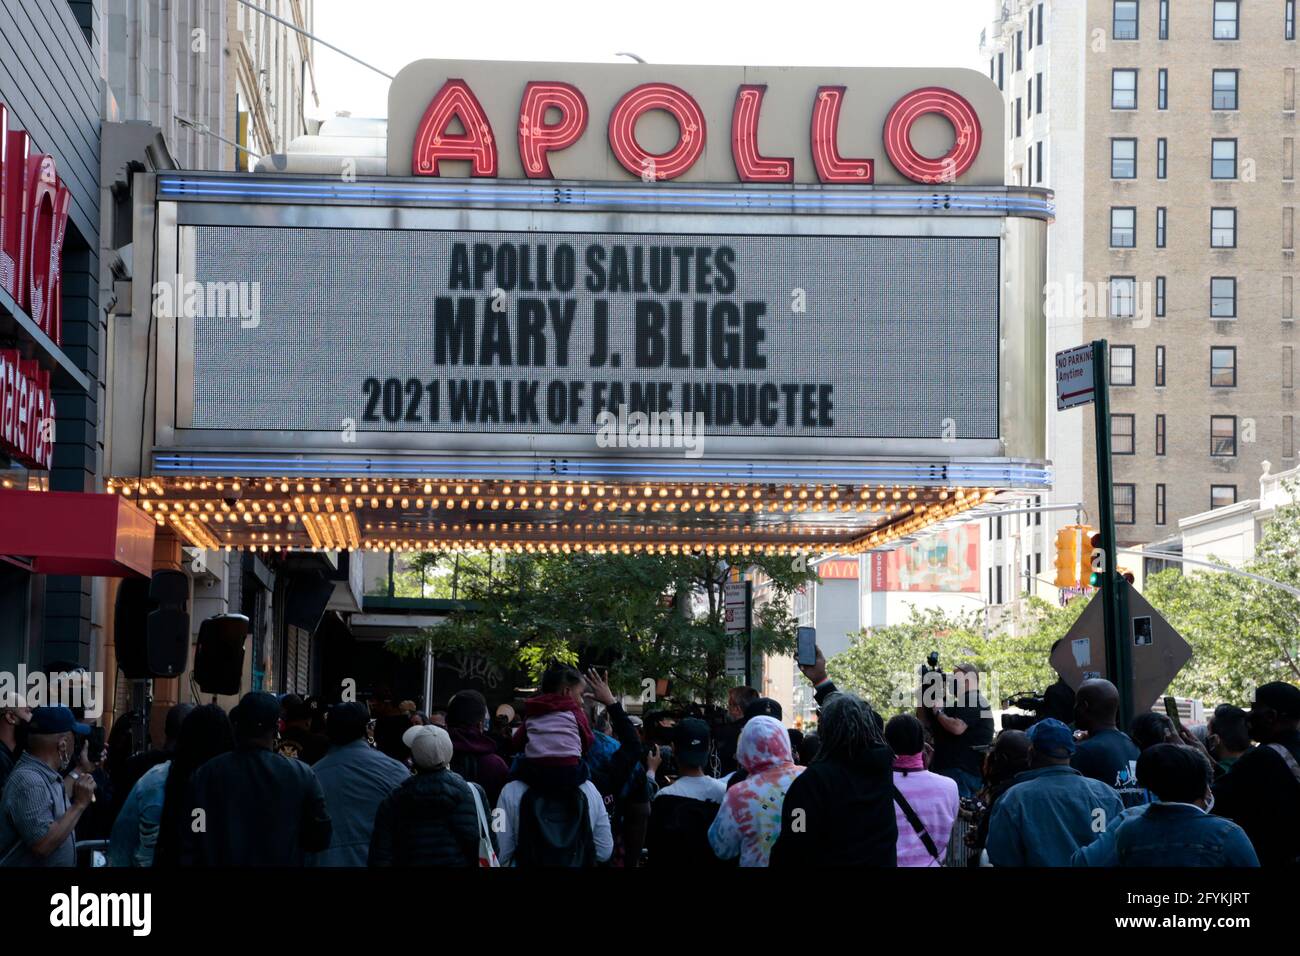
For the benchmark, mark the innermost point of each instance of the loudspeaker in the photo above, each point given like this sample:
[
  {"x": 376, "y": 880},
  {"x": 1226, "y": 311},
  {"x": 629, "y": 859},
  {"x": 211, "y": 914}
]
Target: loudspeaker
[
  {"x": 305, "y": 601},
  {"x": 130, "y": 616},
  {"x": 151, "y": 626},
  {"x": 219, "y": 654}
]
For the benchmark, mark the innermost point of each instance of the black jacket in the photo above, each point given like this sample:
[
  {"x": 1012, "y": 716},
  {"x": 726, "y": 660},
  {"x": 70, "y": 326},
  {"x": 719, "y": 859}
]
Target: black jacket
[
  {"x": 1262, "y": 796},
  {"x": 430, "y": 820},
  {"x": 259, "y": 809},
  {"x": 846, "y": 812},
  {"x": 678, "y": 834}
]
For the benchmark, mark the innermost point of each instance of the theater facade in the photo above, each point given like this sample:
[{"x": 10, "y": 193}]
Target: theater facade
[{"x": 597, "y": 307}]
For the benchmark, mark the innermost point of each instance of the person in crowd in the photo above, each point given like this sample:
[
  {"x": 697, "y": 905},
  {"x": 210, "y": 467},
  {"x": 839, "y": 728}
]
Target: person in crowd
[
  {"x": 961, "y": 728},
  {"x": 203, "y": 733},
  {"x": 1176, "y": 829},
  {"x": 13, "y": 734},
  {"x": 37, "y": 813},
  {"x": 738, "y": 698},
  {"x": 390, "y": 724},
  {"x": 1227, "y": 737},
  {"x": 259, "y": 808},
  {"x": 1058, "y": 699},
  {"x": 355, "y": 779},
  {"x": 549, "y": 821},
  {"x": 432, "y": 818},
  {"x": 796, "y": 746},
  {"x": 1052, "y": 809},
  {"x": 682, "y": 812},
  {"x": 1008, "y": 757},
  {"x": 1106, "y": 753},
  {"x": 1150, "y": 728},
  {"x": 298, "y": 715},
  {"x": 555, "y": 734},
  {"x": 437, "y": 717},
  {"x": 839, "y": 811},
  {"x": 619, "y": 773},
  {"x": 503, "y": 730},
  {"x": 812, "y": 744},
  {"x": 758, "y": 707},
  {"x": 474, "y": 754},
  {"x": 1261, "y": 793},
  {"x": 925, "y": 803},
  {"x": 97, "y": 821},
  {"x": 749, "y": 820}
]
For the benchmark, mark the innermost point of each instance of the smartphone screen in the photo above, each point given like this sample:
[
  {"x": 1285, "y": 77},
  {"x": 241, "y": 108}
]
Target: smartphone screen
[
  {"x": 806, "y": 654},
  {"x": 1171, "y": 708}
]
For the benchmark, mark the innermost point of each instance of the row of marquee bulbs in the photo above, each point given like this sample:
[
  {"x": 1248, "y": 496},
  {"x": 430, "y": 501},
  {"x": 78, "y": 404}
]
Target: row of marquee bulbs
[{"x": 347, "y": 539}]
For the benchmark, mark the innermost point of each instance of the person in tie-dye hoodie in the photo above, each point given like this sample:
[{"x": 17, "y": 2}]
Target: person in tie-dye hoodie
[{"x": 749, "y": 820}]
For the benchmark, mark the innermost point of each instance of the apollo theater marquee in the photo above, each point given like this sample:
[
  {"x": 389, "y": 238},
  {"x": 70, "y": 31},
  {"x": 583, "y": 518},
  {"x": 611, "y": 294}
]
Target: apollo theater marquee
[{"x": 812, "y": 283}]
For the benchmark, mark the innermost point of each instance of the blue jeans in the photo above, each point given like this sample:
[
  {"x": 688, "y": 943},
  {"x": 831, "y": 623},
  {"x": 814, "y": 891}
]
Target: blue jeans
[{"x": 968, "y": 784}]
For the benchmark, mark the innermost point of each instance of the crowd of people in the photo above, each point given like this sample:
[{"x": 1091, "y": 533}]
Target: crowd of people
[{"x": 569, "y": 778}]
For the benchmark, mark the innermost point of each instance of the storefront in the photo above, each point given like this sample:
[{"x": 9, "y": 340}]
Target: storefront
[{"x": 597, "y": 308}]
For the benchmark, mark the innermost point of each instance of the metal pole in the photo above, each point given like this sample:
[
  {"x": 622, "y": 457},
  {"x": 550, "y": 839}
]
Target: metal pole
[
  {"x": 749, "y": 633},
  {"x": 314, "y": 38},
  {"x": 1178, "y": 558},
  {"x": 1114, "y": 589}
]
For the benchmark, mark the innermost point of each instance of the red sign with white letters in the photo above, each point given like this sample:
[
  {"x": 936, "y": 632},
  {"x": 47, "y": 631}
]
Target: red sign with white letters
[
  {"x": 34, "y": 206},
  {"x": 26, "y": 410}
]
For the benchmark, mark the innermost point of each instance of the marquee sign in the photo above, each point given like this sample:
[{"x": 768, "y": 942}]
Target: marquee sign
[
  {"x": 26, "y": 411},
  {"x": 34, "y": 206},
  {"x": 705, "y": 124}
]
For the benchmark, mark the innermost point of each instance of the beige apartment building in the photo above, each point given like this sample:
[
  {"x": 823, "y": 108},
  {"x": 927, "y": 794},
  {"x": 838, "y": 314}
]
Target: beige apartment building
[{"x": 1167, "y": 129}]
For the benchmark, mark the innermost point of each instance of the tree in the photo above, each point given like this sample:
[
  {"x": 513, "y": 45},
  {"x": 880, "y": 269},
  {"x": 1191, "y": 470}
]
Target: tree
[{"x": 644, "y": 616}]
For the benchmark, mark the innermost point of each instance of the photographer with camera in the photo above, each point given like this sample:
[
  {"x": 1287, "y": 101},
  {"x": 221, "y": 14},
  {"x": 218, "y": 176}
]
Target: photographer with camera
[{"x": 960, "y": 723}]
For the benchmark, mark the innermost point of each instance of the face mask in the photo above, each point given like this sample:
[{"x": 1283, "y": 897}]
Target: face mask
[{"x": 65, "y": 758}]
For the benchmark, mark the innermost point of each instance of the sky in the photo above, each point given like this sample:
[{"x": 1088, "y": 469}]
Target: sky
[{"x": 391, "y": 33}]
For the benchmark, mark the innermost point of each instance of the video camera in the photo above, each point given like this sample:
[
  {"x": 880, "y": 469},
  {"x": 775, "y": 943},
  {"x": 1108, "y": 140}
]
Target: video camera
[{"x": 1030, "y": 702}]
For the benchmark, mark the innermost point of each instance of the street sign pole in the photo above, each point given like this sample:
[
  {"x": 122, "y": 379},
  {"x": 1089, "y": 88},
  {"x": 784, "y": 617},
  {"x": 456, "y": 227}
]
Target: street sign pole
[
  {"x": 749, "y": 633},
  {"x": 1114, "y": 589}
]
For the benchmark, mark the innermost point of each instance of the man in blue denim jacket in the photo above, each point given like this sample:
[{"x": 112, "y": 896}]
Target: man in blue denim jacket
[
  {"x": 1052, "y": 809},
  {"x": 1178, "y": 829}
]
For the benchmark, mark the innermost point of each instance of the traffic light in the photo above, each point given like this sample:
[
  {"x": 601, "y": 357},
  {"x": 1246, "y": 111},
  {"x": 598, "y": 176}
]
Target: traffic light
[
  {"x": 1127, "y": 575},
  {"x": 1096, "y": 559},
  {"x": 1068, "y": 554}
]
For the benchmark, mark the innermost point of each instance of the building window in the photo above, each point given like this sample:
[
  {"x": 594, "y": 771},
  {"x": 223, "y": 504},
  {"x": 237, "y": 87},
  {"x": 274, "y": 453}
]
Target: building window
[
  {"x": 1160, "y": 504},
  {"x": 1020, "y": 51},
  {"x": 1123, "y": 89},
  {"x": 1289, "y": 27},
  {"x": 993, "y": 73},
  {"x": 1121, "y": 434},
  {"x": 1225, "y": 90},
  {"x": 1223, "y": 366},
  {"x": 1162, "y": 158},
  {"x": 1223, "y": 162},
  {"x": 1288, "y": 436},
  {"x": 1126, "y": 20},
  {"x": 1121, "y": 365},
  {"x": 1123, "y": 227},
  {"x": 1222, "y": 495},
  {"x": 1161, "y": 222},
  {"x": 1002, "y": 62},
  {"x": 1223, "y": 228},
  {"x": 1160, "y": 435},
  {"x": 1160, "y": 297},
  {"x": 1162, "y": 90},
  {"x": 1160, "y": 366},
  {"x": 1223, "y": 436},
  {"x": 1123, "y": 292},
  {"x": 1019, "y": 109},
  {"x": 1288, "y": 366},
  {"x": 1041, "y": 14},
  {"x": 1031, "y": 28},
  {"x": 1164, "y": 19},
  {"x": 1038, "y": 95},
  {"x": 1123, "y": 159},
  {"x": 1124, "y": 500},
  {"x": 1038, "y": 163},
  {"x": 1223, "y": 297},
  {"x": 1029, "y": 96},
  {"x": 1227, "y": 17}
]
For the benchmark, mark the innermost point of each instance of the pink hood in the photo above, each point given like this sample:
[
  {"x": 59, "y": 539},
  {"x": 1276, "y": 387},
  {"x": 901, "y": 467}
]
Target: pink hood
[{"x": 764, "y": 745}]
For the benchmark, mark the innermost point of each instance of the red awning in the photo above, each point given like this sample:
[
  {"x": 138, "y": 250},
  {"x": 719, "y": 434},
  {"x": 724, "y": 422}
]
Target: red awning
[{"x": 93, "y": 535}]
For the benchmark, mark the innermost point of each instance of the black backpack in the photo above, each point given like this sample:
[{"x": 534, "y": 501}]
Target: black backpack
[{"x": 555, "y": 829}]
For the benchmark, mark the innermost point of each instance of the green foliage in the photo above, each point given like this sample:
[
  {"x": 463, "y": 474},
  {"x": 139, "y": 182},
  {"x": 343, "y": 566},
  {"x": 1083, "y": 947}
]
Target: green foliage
[
  {"x": 882, "y": 665},
  {"x": 643, "y": 616}
]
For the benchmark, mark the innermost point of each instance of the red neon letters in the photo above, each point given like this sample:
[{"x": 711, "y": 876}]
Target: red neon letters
[
  {"x": 455, "y": 102},
  {"x": 34, "y": 206},
  {"x": 26, "y": 410}
]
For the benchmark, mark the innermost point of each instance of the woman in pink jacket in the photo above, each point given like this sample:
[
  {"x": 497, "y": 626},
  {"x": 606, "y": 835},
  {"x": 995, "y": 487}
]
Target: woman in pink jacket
[{"x": 925, "y": 803}]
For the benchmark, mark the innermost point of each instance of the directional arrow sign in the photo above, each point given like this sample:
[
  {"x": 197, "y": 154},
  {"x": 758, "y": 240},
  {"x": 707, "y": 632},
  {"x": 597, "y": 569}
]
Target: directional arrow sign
[{"x": 1157, "y": 650}]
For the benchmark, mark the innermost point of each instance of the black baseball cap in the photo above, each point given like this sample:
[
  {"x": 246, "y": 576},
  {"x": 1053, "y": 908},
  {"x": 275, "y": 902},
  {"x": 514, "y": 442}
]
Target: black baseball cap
[
  {"x": 256, "y": 713},
  {"x": 691, "y": 742},
  {"x": 763, "y": 707},
  {"x": 56, "y": 720},
  {"x": 1281, "y": 697}
]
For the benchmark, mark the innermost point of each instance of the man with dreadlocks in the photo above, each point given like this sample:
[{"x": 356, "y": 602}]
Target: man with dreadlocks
[{"x": 840, "y": 811}]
